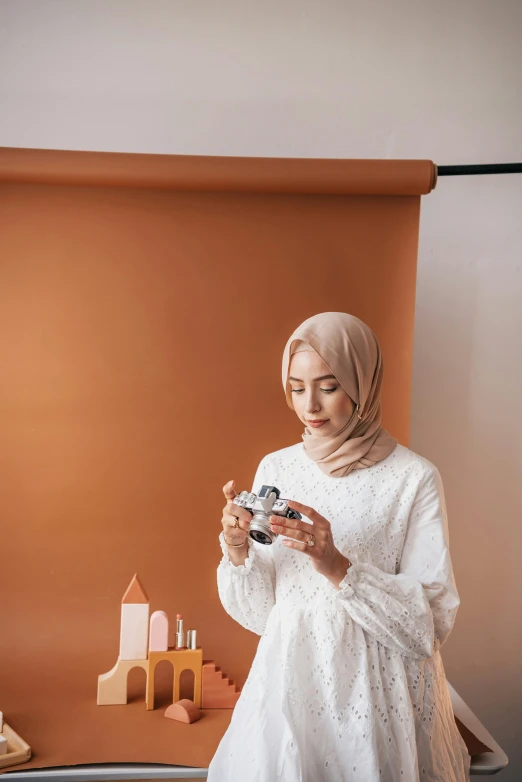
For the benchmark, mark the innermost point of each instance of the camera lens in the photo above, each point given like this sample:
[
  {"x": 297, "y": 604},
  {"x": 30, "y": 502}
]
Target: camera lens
[
  {"x": 260, "y": 537},
  {"x": 259, "y": 529}
]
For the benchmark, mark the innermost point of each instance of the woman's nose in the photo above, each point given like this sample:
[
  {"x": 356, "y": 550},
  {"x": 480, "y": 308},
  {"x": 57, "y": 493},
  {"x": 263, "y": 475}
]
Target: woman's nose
[{"x": 312, "y": 404}]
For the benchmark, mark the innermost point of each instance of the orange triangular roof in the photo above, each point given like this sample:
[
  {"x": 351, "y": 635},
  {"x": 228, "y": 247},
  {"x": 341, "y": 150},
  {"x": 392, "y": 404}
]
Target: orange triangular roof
[{"x": 135, "y": 592}]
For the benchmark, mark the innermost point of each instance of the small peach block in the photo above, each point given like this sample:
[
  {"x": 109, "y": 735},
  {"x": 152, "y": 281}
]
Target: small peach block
[
  {"x": 159, "y": 632},
  {"x": 3, "y": 745},
  {"x": 184, "y": 710}
]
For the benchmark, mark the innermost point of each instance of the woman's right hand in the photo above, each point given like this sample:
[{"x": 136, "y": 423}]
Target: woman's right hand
[{"x": 239, "y": 534}]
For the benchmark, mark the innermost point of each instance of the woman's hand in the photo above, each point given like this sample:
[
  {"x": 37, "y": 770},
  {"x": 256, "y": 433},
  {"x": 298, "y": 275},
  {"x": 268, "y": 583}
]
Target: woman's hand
[
  {"x": 326, "y": 558},
  {"x": 234, "y": 534}
]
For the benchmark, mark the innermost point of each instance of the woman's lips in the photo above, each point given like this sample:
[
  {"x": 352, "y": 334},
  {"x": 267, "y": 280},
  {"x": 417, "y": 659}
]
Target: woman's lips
[{"x": 316, "y": 424}]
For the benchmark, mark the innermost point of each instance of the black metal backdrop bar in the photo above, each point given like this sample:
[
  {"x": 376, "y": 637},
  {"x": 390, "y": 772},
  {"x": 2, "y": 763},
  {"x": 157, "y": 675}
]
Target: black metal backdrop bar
[{"x": 492, "y": 168}]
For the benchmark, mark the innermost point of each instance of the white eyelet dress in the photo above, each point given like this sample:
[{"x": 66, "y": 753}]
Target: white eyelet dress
[{"x": 347, "y": 685}]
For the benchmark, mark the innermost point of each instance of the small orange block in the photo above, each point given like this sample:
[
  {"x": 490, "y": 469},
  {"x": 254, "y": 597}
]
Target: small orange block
[{"x": 184, "y": 710}]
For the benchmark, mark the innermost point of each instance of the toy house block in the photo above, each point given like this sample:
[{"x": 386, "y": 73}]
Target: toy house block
[
  {"x": 112, "y": 686},
  {"x": 218, "y": 691},
  {"x": 159, "y": 632},
  {"x": 184, "y": 710},
  {"x": 134, "y": 630},
  {"x": 182, "y": 660}
]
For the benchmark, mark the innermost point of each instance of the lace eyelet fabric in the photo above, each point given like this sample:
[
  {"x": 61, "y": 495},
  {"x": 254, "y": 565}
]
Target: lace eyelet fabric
[{"x": 347, "y": 684}]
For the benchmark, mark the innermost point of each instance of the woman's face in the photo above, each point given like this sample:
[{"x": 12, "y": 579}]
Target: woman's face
[{"x": 316, "y": 394}]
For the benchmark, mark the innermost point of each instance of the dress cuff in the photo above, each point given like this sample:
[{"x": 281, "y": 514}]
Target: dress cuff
[
  {"x": 346, "y": 586},
  {"x": 227, "y": 562}
]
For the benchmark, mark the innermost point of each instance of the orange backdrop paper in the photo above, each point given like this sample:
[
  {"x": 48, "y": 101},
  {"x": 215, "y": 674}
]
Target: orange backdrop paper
[{"x": 145, "y": 302}]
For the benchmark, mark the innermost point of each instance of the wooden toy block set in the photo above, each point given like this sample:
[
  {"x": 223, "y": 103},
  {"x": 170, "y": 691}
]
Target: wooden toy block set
[{"x": 144, "y": 644}]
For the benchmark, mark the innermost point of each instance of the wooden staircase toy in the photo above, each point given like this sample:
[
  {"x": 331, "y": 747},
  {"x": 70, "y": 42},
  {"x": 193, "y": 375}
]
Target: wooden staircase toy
[{"x": 218, "y": 692}]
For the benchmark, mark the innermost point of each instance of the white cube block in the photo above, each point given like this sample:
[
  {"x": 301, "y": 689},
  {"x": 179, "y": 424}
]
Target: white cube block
[
  {"x": 134, "y": 631},
  {"x": 3, "y": 745}
]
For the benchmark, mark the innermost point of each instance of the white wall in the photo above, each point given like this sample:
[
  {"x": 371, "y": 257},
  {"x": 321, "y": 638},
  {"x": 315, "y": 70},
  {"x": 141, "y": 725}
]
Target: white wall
[{"x": 325, "y": 78}]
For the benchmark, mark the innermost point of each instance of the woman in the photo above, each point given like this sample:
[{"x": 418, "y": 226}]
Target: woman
[{"x": 353, "y": 601}]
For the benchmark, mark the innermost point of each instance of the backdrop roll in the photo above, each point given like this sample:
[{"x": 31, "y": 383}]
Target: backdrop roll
[{"x": 145, "y": 302}]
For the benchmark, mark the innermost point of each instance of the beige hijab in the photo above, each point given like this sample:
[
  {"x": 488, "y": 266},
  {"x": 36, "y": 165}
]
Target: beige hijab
[{"x": 350, "y": 350}]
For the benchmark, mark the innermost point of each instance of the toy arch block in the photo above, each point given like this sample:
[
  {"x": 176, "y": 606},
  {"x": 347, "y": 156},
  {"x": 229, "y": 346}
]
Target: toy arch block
[
  {"x": 182, "y": 660},
  {"x": 112, "y": 686}
]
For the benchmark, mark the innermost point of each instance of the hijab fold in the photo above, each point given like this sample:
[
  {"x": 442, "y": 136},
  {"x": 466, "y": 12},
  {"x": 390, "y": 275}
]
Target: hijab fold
[{"x": 351, "y": 351}]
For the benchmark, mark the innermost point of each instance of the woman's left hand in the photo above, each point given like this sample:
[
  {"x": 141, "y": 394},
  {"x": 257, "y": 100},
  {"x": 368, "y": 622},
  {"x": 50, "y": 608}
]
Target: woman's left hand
[{"x": 326, "y": 558}]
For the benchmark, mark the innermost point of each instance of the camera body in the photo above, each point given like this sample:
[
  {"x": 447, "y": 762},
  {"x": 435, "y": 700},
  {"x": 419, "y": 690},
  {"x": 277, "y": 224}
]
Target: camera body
[{"x": 267, "y": 502}]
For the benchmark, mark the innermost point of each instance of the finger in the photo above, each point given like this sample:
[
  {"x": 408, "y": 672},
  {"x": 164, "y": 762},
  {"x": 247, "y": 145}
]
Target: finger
[
  {"x": 297, "y": 546},
  {"x": 291, "y": 524},
  {"x": 238, "y": 510},
  {"x": 230, "y": 527},
  {"x": 294, "y": 534},
  {"x": 243, "y": 518},
  {"x": 231, "y": 509},
  {"x": 312, "y": 514},
  {"x": 229, "y": 490},
  {"x": 293, "y": 528}
]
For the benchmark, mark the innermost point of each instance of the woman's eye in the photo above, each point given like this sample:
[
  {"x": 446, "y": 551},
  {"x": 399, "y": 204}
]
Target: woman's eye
[{"x": 326, "y": 390}]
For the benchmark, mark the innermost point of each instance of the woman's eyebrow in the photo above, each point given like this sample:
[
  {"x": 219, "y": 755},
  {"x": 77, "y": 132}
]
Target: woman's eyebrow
[{"x": 324, "y": 377}]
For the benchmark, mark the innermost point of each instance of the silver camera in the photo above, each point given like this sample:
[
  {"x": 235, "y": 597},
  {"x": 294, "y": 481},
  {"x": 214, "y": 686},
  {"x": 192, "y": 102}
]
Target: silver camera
[{"x": 263, "y": 505}]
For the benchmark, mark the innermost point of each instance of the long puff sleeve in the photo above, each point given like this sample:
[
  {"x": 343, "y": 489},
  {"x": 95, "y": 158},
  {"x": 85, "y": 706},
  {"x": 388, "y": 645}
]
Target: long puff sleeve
[
  {"x": 247, "y": 591},
  {"x": 413, "y": 611}
]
